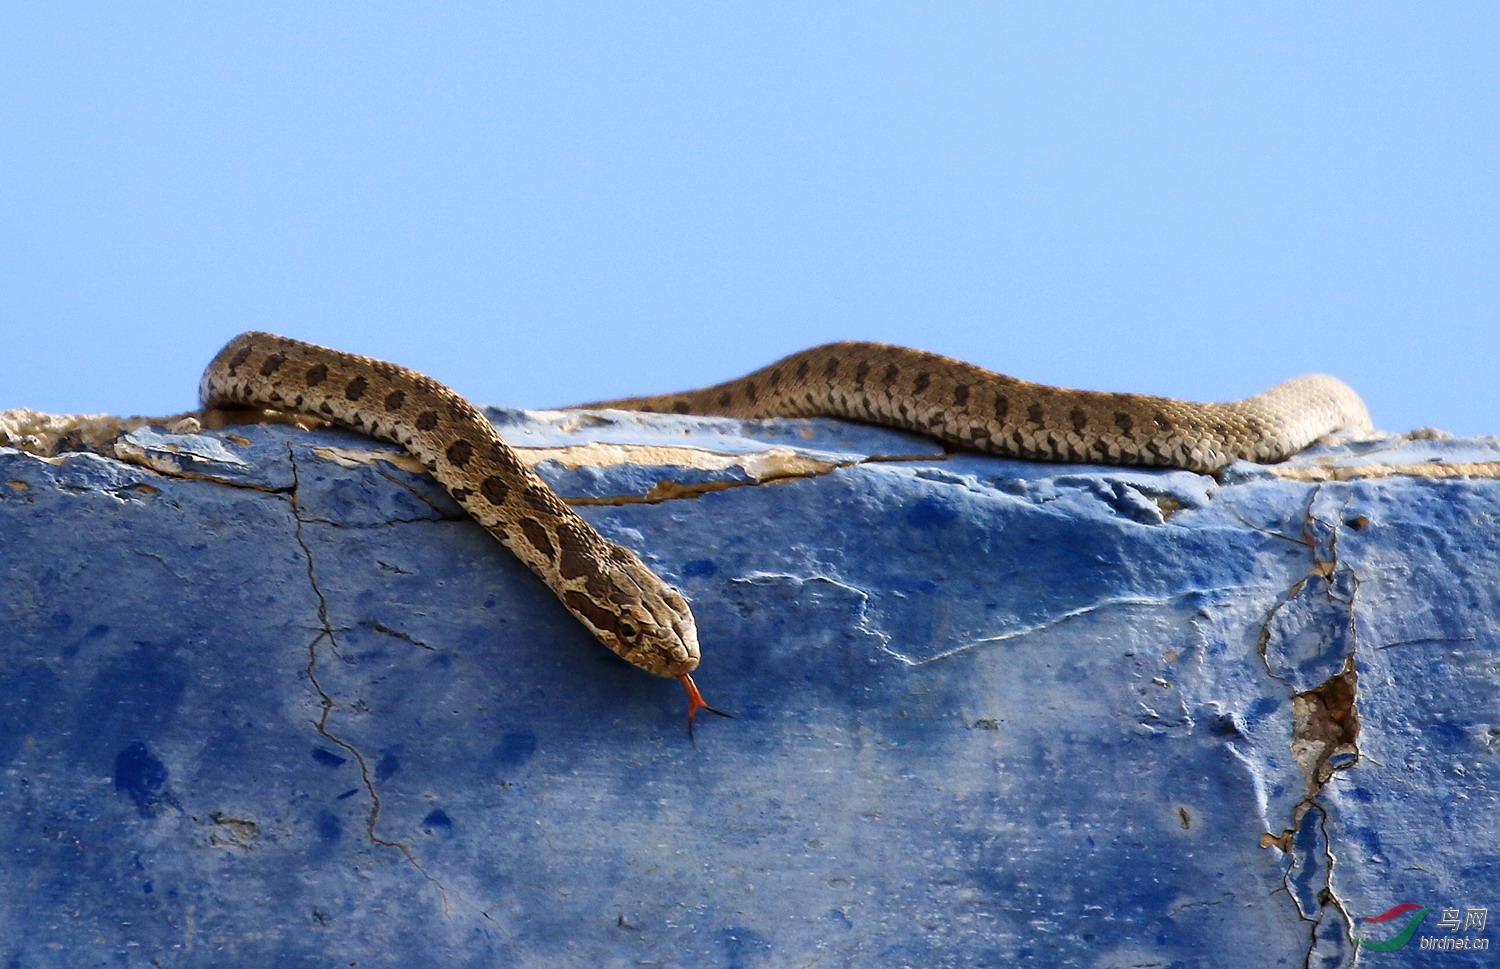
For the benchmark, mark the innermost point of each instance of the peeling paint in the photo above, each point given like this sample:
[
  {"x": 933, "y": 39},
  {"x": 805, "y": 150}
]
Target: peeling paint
[
  {"x": 759, "y": 467},
  {"x": 233, "y": 832},
  {"x": 1325, "y": 727},
  {"x": 1319, "y": 473},
  {"x": 775, "y": 462}
]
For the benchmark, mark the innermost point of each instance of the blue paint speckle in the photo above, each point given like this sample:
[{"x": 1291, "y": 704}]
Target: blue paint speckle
[
  {"x": 143, "y": 777},
  {"x": 744, "y": 947},
  {"x": 388, "y": 766},
  {"x": 328, "y": 758},
  {"x": 1224, "y": 725},
  {"x": 515, "y": 748},
  {"x": 700, "y": 568},
  {"x": 329, "y": 828},
  {"x": 1261, "y": 709},
  {"x": 437, "y": 821},
  {"x": 931, "y": 512}
]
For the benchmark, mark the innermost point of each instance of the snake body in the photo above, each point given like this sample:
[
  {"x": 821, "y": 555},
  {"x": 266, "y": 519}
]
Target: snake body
[
  {"x": 610, "y": 590},
  {"x": 977, "y": 409}
]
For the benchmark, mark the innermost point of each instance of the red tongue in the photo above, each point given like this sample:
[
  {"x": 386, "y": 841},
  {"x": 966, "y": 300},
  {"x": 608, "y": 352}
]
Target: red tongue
[{"x": 695, "y": 701}]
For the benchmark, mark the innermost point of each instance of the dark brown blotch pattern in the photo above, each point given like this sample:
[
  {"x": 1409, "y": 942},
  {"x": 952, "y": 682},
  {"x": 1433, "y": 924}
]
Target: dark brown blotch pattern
[
  {"x": 495, "y": 491},
  {"x": 459, "y": 453},
  {"x": 573, "y": 558},
  {"x": 537, "y": 537},
  {"x": 596, "y": 615},
  {"x": 541, "y": 500}
]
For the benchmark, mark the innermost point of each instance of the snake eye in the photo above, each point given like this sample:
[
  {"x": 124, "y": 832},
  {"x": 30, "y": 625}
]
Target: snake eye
[{"x": 627, "y": 630}]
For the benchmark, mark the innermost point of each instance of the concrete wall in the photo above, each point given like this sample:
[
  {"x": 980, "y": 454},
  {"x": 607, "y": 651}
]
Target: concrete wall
[{"x": 268, "y": 699}]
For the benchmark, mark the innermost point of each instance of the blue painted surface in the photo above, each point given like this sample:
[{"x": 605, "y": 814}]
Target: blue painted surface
[{"x": 299, "y": 712}]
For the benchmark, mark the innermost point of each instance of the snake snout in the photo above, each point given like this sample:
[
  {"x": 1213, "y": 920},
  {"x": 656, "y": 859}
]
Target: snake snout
[
  {"x": 670, "y": 662},
  {"x": 678, "y": 658}
]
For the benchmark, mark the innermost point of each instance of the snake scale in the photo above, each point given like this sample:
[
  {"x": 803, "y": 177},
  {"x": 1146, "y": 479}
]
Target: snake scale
[{"x": 611, "y": 591}]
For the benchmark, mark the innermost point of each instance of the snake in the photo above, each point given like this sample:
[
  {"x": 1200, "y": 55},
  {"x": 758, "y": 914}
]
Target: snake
[{"x": 639, "y": 615}]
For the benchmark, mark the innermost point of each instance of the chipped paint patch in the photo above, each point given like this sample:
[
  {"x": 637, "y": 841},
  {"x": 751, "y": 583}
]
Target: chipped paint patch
[
  {"x": 1325, "y": 727},
  {"x": 1354, "y": 472},
  {"x": 776, "y": 462},
  {"x": 347, "y": 457},
  {"x": 43, "y": 434}
]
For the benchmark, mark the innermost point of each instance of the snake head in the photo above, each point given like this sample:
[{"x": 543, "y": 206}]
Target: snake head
[{"x": 637, "y": 615}]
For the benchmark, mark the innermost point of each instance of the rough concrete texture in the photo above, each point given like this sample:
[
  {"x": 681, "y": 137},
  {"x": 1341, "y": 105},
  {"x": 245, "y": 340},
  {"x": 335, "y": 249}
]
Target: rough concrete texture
[{"x": 271, "y": 700}]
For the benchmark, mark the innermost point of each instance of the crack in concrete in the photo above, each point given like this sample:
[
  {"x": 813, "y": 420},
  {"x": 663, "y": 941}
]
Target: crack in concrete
[
  {"x": 327, "y": 704},
  {"x": 1319, "y": 569},
  {"x": 1428, "y": 641},
  {"x": 381, "y": 627},
  {"x": 442, "y": 515},
  {"x": 1325, "y": 897},
  {"x": 382, "y": 523},
  {"x": 862, "y": 622},
  {"x": 1071, "y": 614},
  {"x": 1325, "y": 721}
]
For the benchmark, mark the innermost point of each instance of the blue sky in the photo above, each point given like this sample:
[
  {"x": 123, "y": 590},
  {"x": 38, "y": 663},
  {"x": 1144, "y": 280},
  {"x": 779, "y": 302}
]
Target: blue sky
[{"x": 542, "y": 203}]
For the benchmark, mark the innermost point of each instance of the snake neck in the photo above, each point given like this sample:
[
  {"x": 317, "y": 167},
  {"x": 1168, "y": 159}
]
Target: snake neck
[{"x": 606, "y": 586}]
